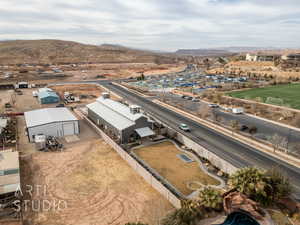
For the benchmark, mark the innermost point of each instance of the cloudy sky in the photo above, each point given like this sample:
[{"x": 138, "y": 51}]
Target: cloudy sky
[{"x": 155, "y": 24}]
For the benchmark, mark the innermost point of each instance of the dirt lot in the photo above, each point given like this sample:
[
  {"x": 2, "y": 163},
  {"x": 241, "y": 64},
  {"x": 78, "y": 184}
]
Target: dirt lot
[
  {"x": 91, "y": 91},
  {"x": 123, "y": 70},
  {"x": 163, "y": 158},
  {"x": 96, "y": 184}
]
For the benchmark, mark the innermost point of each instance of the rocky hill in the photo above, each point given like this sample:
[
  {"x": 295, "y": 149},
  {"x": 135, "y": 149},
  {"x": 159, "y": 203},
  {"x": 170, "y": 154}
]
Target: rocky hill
[{"x": 57, "y": 51}]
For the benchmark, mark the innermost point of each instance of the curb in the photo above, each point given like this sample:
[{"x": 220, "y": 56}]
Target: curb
[{"x": 261, "y": 147}]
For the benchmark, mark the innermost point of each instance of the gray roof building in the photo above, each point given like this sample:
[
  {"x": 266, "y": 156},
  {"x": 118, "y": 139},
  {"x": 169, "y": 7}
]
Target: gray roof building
[
  {"x": 121, "y": 120},
  {"x": 56, "y": 122}
]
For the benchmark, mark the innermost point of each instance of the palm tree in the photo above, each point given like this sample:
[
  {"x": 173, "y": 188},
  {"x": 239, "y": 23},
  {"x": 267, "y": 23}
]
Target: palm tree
[
  {"x": 251, "y": 182},
  {"x": 211, "y": 198},
  {"x": 189, "y": 214}
]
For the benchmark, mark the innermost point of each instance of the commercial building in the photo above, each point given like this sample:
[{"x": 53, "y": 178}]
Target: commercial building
[
  {"x": 57, "y": 122},
  {"x": 47, "y": 97},
  {"x": 260, "y": 57},
  {"x": 291, "y": 57},
  {"x": 9, "y": 172},
  {"x": 122, "y": 122}
]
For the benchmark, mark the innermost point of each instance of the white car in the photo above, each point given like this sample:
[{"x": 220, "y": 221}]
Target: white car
[{"x": 184, "y": 127}]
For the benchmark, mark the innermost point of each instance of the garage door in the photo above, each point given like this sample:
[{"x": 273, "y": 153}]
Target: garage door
[{"x": 68, "y": 128}]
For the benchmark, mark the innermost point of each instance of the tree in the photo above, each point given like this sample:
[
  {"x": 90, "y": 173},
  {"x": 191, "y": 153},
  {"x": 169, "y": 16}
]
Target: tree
[
  {"x": 204, "y": 111},
  {"x": 250, "y": 181},
  {"x": 278, "y": 185},
  {"x": 277, "y": 141},
  {"x": 234, "y": 125},
  {"x": 211, "y": 198},
  {"x": 189, "y": 214},
  {"x": 253, "y": 130}
]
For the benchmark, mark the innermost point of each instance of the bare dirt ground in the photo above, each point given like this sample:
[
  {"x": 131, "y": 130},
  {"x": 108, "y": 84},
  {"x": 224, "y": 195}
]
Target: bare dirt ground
[
  {"x": 260, "y": 68},
  {"x": 91, "y": 72},
  {"x": 91, "y": 91},
  {"x": 96, "y": 184},
  {"x": 177, "y": 172},
  {"x": 125, "y": 70}
]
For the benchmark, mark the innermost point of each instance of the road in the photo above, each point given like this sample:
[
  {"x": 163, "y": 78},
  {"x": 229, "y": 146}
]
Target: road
[
  {"x": 264, "y": 128},
  {"x": 235, "y": 152}
]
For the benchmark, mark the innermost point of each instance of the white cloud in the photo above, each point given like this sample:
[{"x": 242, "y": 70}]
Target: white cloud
[{"x": 168, "y": 24}]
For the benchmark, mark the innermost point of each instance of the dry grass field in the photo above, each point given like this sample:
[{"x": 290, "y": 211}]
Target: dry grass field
[{"x": 163, "y": 158}]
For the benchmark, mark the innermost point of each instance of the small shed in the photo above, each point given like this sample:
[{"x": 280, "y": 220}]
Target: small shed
[
  {"x": 48, "y": 97},
  {"x": 57, "y": 122}
]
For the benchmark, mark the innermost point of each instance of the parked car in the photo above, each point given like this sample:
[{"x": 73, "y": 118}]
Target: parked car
[
  {"x": 195, "y": 100},
  {"x": 60, "y": 105},
  {"x": 184, "y": 127},
  {"x": 189, "y": 98}
]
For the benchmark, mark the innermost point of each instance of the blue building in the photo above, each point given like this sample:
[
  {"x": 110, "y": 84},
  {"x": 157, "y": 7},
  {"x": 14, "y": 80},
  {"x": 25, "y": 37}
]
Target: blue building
[{"x": 48, "y": 97}]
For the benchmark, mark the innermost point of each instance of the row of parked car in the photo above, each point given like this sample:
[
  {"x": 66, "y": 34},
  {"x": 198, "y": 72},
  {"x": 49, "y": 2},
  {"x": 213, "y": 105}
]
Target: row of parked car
[{"x": 193, "y": 99}]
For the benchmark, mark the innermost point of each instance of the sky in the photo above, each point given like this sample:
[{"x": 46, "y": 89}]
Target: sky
[{"x": 155, "y": 24}]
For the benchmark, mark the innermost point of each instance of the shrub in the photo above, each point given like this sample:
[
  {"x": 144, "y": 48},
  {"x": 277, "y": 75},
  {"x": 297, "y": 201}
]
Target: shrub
[{"x": 211, "y": 199}]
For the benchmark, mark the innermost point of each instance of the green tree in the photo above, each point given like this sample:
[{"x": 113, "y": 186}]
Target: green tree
[
  {"x": 211, "y": 199},
  {"x": 251, "y": 182},
  {"x": 278, "y": 185},
  {"x": 189, "y": 214}
]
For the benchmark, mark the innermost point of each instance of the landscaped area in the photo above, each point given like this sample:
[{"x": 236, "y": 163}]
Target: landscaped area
[
  {"x": 163, "y": 157},
  {"x": 285, "y": 95}
]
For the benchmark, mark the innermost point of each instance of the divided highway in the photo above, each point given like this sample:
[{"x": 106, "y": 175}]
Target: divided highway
[{"x": 235, "y": 152}]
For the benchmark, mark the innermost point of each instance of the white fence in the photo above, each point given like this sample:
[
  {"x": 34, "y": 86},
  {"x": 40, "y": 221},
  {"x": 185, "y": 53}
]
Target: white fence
[{"x": 148, "y": 177}]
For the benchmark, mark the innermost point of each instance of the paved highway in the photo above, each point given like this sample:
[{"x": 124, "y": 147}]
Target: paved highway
[
  {"x": 235, "y": 152},
  {"x": 264, "y": 128}
]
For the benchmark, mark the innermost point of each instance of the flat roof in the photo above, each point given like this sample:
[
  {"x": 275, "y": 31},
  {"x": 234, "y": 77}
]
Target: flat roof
[
  {"x": 45, "y": 94},
  {"x": 48, "y": 115},
  {"x": 9, "y": 160}
]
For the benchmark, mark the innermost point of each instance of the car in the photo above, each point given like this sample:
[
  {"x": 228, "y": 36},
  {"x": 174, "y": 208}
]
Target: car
[
  {"x": 184, "y": 127},
  {"x": 213, "y": 105},
  {"x": 60, "y": 105},
  {"x": 189, "y": 98},
  {"x": 195, "y": 100}
]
